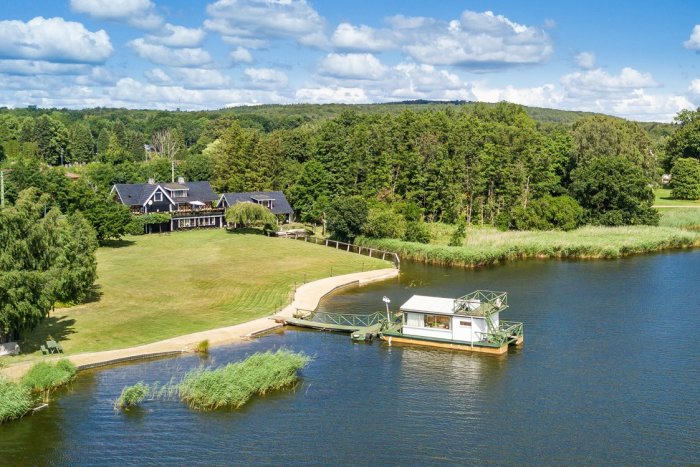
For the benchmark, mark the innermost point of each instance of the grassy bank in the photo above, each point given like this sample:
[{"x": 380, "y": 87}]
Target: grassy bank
[
  {"x": 484, "y": 246},
  {"x": 154, "y": 287},
  {"x": 681, "y": 217},
  {"x": 663, "y": 198}
]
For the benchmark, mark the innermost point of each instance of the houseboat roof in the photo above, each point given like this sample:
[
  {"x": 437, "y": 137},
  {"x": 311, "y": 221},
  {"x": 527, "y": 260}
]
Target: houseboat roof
[{"x": 425, "y": 304}]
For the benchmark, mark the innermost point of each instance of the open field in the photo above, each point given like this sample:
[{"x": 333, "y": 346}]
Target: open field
[
  {"x": 663, "y": 198},
  {"x": 681, "y": 217},
  {"x": 154, "y": 287},
  {"x": 484, "y": 246}
]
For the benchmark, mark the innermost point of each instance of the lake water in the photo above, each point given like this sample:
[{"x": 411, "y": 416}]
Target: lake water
[{"x": 609, "y": 372}]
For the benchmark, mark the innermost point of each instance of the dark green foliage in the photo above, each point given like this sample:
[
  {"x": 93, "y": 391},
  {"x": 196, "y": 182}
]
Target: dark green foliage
[
  {"x": 685, "y": 141},
  {"x": 81, "y": 144},
  {"x": 197, "y": 168},
  {"x": 138, "y": 222},
  {"x": 51, "y": 138},
  {"x": 417, "y": 231},
  {"x": 685, "y": 178},
  {"x": 548, "y": 213},
  {"x": 15, "y": 400},
  {"x": 460, "y": 233},
  {"x": 383, "y": 222},
  {"x": 310, "y": 195},
  {"x": 347, "y": 217},
  {"x": 614, "y": 191},
  {"x": 236, "y": 383}
]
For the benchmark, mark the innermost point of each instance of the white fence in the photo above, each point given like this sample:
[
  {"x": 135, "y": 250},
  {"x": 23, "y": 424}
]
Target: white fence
[{"x": 349, "y": 247}]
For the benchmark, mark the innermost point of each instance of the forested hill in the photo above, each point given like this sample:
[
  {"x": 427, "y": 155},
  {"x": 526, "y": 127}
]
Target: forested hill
[{"x": 276, "y": 117}]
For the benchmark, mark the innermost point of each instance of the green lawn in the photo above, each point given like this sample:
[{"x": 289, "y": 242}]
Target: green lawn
[
  {"x": 663, "y": 198},
  {"x": 681, "y": 217},
  {"x": 154, "y": 287}
]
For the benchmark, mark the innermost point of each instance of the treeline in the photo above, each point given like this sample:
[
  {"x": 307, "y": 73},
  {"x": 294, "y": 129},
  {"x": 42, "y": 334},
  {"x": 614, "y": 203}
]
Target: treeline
[{"x": 486, "y": 163}]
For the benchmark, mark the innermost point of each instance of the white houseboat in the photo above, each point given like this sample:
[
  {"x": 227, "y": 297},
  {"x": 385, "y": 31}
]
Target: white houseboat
[{"x": 470, "y": 323}]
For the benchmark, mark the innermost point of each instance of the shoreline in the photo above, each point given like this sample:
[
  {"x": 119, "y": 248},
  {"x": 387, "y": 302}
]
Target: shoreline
[{"x": 306, "y": 297}]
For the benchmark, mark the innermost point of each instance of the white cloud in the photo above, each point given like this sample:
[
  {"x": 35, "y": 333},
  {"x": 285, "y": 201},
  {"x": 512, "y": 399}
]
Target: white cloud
[
  {"x": 546, "y": 95},
  {"x": 98, "y": 76},
  {"x": 585, "y": 60},
  {"x": 412, "y": 81},
  {"x": 645, "y": 107},
  {"x": 362, "y": 38},
  {"x": 201, "y": 78},
  {"x": 243, "y": 21},
  {"x": 600, "y": 81},
  {"x": 137, "y": 13},
  {"x": 40, "y": 67},
  {"x": 241, "y": 55},
  {"x": 477, "y": 40},
  {"x": 162, "y": 55},
  {"x": 330, "y": 95},
  {"x": 158, "y": 76},
  {"x": 693, "y": 43},
  {"x": 53, "y": 39},
  {"x": 352, "y": 66},
  {"x": 694, "y": 87},
  {"x": 177, "y": 36},
  {"x": 266, "y": 77}
]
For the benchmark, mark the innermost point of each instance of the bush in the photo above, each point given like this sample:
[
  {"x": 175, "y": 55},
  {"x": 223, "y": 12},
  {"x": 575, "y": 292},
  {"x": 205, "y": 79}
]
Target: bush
[
  {"x": 139, "y": 222},
  {"x": 383, "y": 222},
  {"x": 417, "y": 232},
  {"x": 131, "y": 396},
  {"x": 202, "y": 347},
  {"x": 548, "y": 213},
  {"x": 346, "y": 217},
  {"x": 460, "y": 233},
  {"x": 234, "y": 384},
  {"x": 15, "y": 400},
  {"x": 44, "y": 377},
  {"x": 685, "y": 179}
]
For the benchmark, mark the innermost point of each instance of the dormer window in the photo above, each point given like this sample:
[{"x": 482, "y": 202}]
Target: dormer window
[
  {"x": 179, "y": 193},
  {"x": 158, "y": 196}
]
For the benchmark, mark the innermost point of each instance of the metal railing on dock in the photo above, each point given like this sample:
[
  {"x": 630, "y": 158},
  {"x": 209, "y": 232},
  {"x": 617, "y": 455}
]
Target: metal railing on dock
[
  {"x": 349, "y": 247},
  {"x": 342, "y": 319}
]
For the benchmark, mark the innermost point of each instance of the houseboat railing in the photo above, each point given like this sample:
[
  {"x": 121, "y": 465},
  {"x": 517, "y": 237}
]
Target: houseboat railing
[
  {"x": 342, "y": 319},
  {"x": 351, "y": 248}
]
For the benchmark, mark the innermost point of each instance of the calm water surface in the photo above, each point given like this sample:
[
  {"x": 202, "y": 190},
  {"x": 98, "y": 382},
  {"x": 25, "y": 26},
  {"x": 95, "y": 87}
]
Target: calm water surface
[{"x": 610, "y": 372}]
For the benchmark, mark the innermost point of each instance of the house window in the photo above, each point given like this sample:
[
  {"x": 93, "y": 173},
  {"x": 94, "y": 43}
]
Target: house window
[
  {"x": 437, "y": 321},
  {"x": 465, "y": 324},
  {"x": 158, "y": 196}
]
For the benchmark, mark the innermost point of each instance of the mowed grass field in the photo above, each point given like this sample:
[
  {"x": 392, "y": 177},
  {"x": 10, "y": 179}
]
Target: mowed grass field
[
  {"x": 663, "y": 198},
  {"x": 160, "y": 286}
]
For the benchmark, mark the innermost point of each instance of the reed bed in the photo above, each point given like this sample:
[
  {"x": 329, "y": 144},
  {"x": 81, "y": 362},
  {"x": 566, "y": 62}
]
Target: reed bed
[
  {"x": 682, "y": 218},
  {"x": 132, "y": 396},
  {"x": 485, "y": 246},
  {"x": 236, "y": 383},
  {"x": 15, "y": 400},
  {"x": 44, "y": 377}
]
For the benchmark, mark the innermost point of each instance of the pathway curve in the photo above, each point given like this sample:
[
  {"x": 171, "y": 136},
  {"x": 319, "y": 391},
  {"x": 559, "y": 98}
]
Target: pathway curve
[{"x": 306, "y": 297}]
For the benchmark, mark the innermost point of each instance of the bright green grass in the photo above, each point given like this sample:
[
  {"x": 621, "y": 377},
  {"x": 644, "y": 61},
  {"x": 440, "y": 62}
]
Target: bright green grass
[
  {"x": 163, "y": 286},
  {"x": 43, "y": 377},
  {"x": 15, "y": 400},
  {"x": 663, "y": 198},
  {"x": 484, "y": 246},
  {"x": 132, "y": 396}
]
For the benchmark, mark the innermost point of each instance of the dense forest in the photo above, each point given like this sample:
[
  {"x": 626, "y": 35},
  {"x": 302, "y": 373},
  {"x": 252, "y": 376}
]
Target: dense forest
[{"x": 501, "y": 164}]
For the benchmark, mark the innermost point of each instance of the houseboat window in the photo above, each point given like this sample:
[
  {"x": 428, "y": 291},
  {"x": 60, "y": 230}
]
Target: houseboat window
[
  {"x": 437, "y": 321},
  {"x": 465, "y": 323},
  {"x": 413, "y": 320},
  {"x": 158, "y": 197}
]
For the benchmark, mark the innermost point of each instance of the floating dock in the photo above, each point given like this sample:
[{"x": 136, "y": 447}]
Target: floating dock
[{"x": 361, "y": 327}]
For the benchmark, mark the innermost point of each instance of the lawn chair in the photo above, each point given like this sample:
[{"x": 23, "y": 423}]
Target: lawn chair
[{"x": 44, "y": 350}]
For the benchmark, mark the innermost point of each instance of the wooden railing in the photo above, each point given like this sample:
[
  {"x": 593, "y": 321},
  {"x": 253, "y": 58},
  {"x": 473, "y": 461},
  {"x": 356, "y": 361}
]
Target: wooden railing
[{"x": 350, "y": 248}]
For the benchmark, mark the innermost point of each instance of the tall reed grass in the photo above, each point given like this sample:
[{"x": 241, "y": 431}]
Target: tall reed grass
[
  {"x": 234, "y": 384},
  {"x": 44, "y": 377},
  {"x": 683, "y": 218},
  {"x": 15, "y": 400},
  {"x": 485, "y": 246},
  {"x": 131, "y": 396}
]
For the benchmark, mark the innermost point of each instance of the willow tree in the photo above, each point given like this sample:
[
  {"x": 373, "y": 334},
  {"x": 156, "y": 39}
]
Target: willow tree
[{"x": 248, "y": 214}]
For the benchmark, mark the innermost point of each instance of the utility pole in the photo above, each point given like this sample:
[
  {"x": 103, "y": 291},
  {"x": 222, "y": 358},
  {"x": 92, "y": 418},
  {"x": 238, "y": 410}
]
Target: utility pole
[
  {"x": 2, "y": 188},
  {"x": 172, "y": 171}
]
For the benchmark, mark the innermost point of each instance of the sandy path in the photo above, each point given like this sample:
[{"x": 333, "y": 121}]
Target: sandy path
[{"x": 306, "y": 297}]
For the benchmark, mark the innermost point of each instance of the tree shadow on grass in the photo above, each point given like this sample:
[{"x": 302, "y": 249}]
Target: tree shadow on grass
[
  {"x": 58, "y": 327},
  {"x": 245, "y": 231},
  {"x": 121, "y": 243},
  {"x": 94, "y": 295}
]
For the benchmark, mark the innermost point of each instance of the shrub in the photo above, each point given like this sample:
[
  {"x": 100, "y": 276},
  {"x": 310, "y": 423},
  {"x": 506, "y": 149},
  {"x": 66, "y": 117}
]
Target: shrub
[
  {"x": 417, "y": 232},
  {"x": 15, "y": 400},
  {"x": 131, "y": 396},
  {"x": 44, "y": 377},
  {"x": 383, "y": 222},
  {"x": 685, "y": 179},
  {"x": 549, "y": 213},
  {"x": 346, "y": 217},
  {"x": 234, "y": 384},
  {"x": 460, "y": 233}
]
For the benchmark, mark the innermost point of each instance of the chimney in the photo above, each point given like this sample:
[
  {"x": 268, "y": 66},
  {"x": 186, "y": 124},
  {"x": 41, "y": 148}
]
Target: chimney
[
  {"x": 151, "y": 181},
  {"x": 181, "y": 180}
]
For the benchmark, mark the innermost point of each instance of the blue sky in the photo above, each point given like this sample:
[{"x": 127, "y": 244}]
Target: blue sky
[{"x": 638, "y": 60}]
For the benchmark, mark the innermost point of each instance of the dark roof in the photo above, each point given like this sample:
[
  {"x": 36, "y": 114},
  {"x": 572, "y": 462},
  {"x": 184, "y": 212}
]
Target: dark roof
[
  {"x": 280, "y": 204},
  {"x": 136, "y": 194}
]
